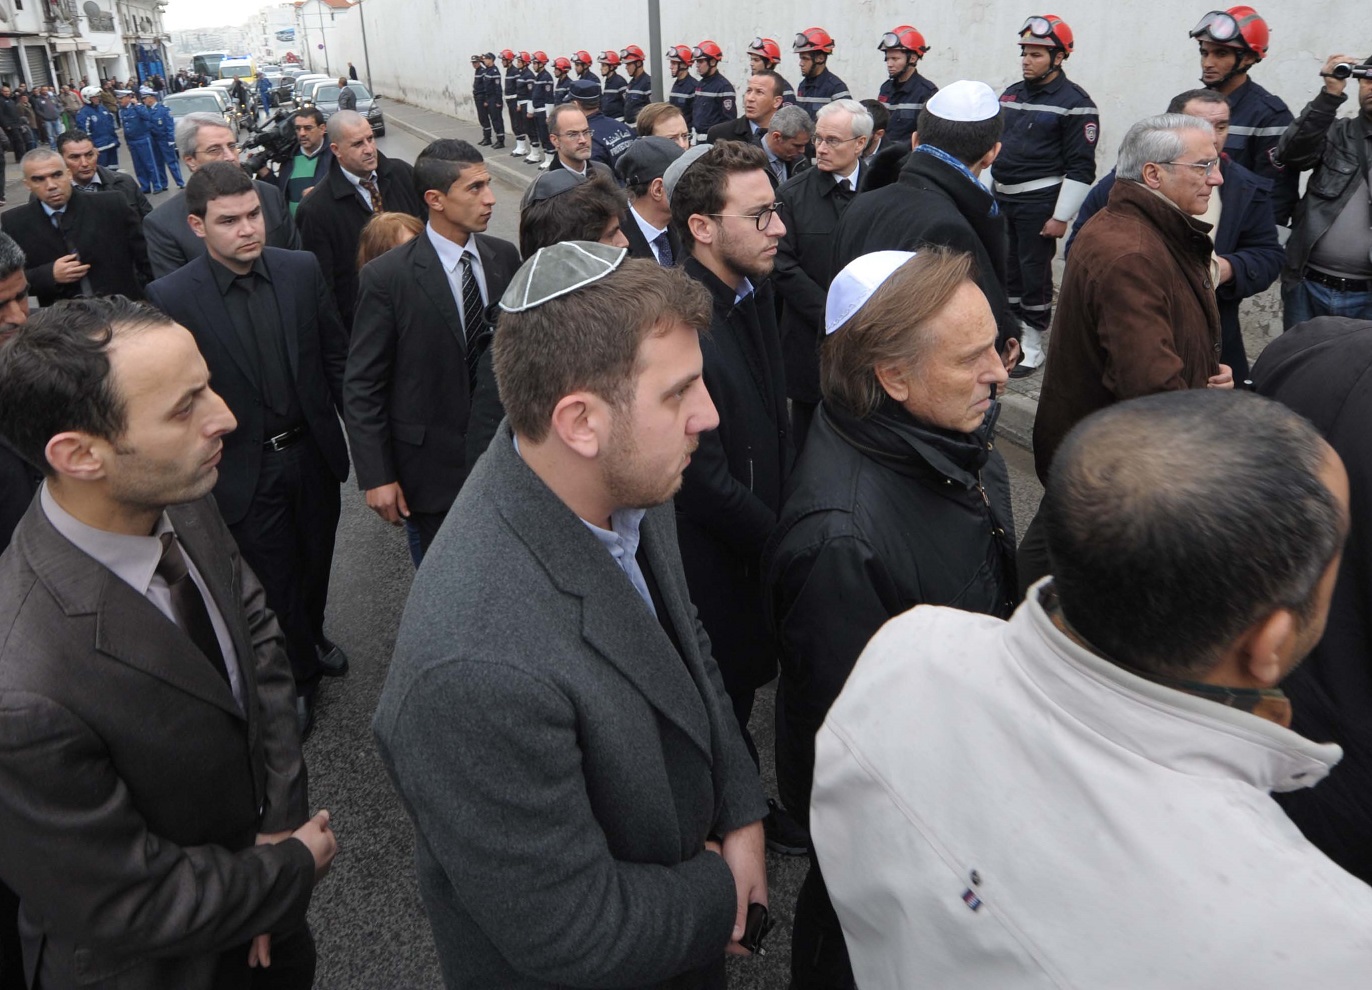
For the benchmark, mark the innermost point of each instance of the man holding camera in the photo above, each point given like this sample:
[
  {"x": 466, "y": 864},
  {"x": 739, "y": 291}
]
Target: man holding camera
[{"x": 1329, "y": 256}]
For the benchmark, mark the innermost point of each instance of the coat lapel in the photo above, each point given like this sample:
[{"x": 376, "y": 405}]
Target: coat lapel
[
  {"x": 214, "y": 317},
  {"x": 284, "y": 291},
  {"x": 433, "y": 280}
]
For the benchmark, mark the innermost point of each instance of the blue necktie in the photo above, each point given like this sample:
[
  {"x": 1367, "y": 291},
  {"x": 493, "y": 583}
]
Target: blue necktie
[{"x": 664, "y": 250}]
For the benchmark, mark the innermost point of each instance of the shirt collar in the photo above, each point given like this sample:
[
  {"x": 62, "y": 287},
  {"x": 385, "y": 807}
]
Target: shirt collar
[
  {"x": 851, "y": 178},
  {"x": 50, "y": 211},
  {"x": 133, "y": 559},
  {"x": 744, "y": 291},
  {"x": 224, "y": 277},
  {"x": 95, "y": 180},
  {"x": 650, "y": 233},
  {"x": 450, "y": 253},
  {"x": 621, "y": 539},
  {"x": 356, "y": 180}
]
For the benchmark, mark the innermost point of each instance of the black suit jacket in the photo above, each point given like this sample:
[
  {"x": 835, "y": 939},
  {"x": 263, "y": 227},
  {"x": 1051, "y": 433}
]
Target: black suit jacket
[
  {"x": 407, "y": 393},
  {"x": 103, "y": 230},
  {"x": 316, "y": 347},
  {"x": 332, "y": 217},
  {"x": 738, "y": 129},
  {"x": 172, "y": 243},
  {"x": 132, "y": 785},
  {"x": 638, "y": 244}
]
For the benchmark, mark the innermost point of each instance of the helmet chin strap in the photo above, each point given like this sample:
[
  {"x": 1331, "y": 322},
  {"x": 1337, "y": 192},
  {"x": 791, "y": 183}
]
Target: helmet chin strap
[
  {"x": 1238, "y": 69},
  {"x": 1053, "y": 66}
]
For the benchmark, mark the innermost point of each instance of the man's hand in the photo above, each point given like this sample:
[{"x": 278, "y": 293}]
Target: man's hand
[
  {"x": 1011, "y": 355},
  {"x": 260, "y": 951},
  {"x": 68, "y": 268},
  {"x": 388, "y": 502},
  {"x": 1054, "y": 229},
  {"x": 744, "y": 849},
  {"x": 1334, "y": 86},
  {"x": 320, "y": 841},
  {"x": 1225, "y": 379},
  {"x": 308, "y": 190},
  {"x": 1226, "y": 270}
]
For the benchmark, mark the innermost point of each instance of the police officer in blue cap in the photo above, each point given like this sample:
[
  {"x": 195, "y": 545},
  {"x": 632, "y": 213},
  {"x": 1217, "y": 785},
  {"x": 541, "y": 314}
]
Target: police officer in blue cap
[
  {"x": 162, "y": 134},
  {"x": 483, "y": 113},
  {"x": 138, "y": 133},
  {"x": 495, "y": 107}
]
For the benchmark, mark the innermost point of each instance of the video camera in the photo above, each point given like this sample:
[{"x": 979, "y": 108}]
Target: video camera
[
  {"x": 1345, "y": 69},
  {"x": 273, "y": 142}
]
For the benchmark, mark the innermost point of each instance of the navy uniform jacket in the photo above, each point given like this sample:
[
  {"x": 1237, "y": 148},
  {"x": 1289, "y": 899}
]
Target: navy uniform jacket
[
  {"x": 137, "y": 122},
  {"x": 1050, "y": 131},
  {"x": 511, "y": 82},
  {"x": 716, "y": 101},
  {"x": 612, "y": 95},
  {"x": 492, "y": 77},
  {"x": 638, "y": 96},
  {"x": 543, "y": 92},
  {"x": 823, "y": 88},
  {"x": 524, "y": 90},
  {"x": 683, "y": 97},
  {"x": 163, "y": 124},
  {"x": 478, "y": 82},
  {"x": 562, "y": 90},
  {"x": 1257, "y": 120},
  {"x": 788, "y": 93},
  {"x": 99, "y": 124},
  {"x": 609, "y": 138},
  {"x": 904, "y": 101}
]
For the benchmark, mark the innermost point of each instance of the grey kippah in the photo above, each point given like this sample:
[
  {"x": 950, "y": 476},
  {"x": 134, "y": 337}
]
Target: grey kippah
[
  {"x": 557, "y": 270},
  {"x": 678, "y": 168},
  {"x": 549, "y": 184}
]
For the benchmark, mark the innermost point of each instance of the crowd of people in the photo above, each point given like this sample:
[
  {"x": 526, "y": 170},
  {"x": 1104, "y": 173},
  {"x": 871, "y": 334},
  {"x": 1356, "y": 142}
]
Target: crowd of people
[{"x": 724, "y": 416}]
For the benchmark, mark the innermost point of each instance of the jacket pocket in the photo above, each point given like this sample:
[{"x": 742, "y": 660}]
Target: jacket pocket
[
  {"x": 1333, "y": 174},
  {"x": 411, "y": 433}
]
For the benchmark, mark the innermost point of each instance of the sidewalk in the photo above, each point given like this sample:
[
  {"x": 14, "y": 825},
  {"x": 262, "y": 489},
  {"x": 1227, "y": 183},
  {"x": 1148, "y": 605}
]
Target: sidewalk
[{"x": 1019, "y": 400}]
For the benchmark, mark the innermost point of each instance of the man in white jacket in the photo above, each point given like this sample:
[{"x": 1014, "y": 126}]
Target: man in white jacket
[{"x": 1080, "y": 797}]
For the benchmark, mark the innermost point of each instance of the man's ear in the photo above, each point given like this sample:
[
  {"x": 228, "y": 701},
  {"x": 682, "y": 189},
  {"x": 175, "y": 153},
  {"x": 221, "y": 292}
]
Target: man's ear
[
  {"x": 892, "y": 380},
  {"x": 1264, "y": 648},
  {"x": 197, "y": 224},
  {"x": 76, "y": 455},
  {"x": 581, "y": 421},
  {"x": 1152, "y": 175},
  {"x": 989, "y": 157},
  {"x": 657, "y": 190},
  {"x": 701, "y": 229}
]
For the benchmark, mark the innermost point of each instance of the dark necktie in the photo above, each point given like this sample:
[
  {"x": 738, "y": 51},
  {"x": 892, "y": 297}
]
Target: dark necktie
[
  {"x": 86, "y": 289},
  {"x": 473, "y": 315},
  {"x": 779, "y": 167},
  {"x": 275, "y": 386},
  {"x": 664, "y": 250},
  {"x": 188, "y": 604},
  {"x": 374, "y": 191}
]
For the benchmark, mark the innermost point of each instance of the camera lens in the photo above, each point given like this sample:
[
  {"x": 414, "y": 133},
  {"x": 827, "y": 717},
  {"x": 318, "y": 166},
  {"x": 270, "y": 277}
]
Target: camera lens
[{"x": 1342, "y": 71}]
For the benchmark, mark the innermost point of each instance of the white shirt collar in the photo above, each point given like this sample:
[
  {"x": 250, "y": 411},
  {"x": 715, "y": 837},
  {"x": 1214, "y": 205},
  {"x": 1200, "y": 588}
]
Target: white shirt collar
[
  {"x": 744, "y": 291},
  {"x": 449, "y": 252},
  {"x": 852, "y": 176},
  {"x": 650, "y": 233},
  {"x": 133, "y": 559}
]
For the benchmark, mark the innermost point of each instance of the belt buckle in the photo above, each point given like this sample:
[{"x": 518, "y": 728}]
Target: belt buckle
[{"x": 283, "y": 440}]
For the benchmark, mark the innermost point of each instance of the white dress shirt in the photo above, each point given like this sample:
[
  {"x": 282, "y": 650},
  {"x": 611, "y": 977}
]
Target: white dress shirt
[{"x": 450, "y": 257}]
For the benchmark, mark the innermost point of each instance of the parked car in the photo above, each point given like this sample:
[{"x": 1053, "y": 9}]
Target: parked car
[
  {"x": 326, "y": 99},
  {"x": 305, "y": 87},
  {"x": 207, "y": 99}
]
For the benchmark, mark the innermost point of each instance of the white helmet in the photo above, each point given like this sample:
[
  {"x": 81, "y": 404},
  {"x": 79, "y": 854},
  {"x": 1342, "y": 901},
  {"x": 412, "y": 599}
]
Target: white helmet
[{"x": 90, "y": 93}]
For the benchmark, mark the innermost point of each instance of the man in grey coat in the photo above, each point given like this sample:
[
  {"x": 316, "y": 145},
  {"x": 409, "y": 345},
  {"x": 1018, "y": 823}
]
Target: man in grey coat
[{"x": 585, "y": 811}]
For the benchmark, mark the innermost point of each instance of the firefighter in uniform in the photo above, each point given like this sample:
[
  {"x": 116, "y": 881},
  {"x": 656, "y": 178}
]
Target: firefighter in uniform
[
  {"x": 138, "y": 133},
  {"x": 613, "y": 87},
  {"x": 716, "y": 100},
  {"x": 99, "y": 123},
  {"x": 820, "y": 86},
  {"x": 905, "y": 90},
  {"x": 1232, "y": 42},
  {"x": 495, "y": 109},
  {"x": 1046, "y": 166},
  {"x": 581, "y": 62},
  {"x": 764, "y": 55},
  {"x": 562, "y": 80},
  {"x": 683, "y": 92},
  {"x": 524, "y": 103},
  {"x": 512, "y": 102},
  {"x": 610, "y": 138},
  {"x": 483, "y": 115},
  {"x": 640, "y": 92},
  {"x": 542, "y": 100},
  {"x": 163, "y": 135}
]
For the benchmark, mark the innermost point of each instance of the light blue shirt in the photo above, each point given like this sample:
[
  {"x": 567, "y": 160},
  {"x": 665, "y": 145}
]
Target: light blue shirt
[{"x": 450, "y": 257}]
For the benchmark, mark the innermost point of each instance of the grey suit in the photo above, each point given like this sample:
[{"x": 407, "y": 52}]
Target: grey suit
[
  {"x": 172, "y": 243},
  {"x": 132, "y": 786},
  {"x": 563, "y": 764}
]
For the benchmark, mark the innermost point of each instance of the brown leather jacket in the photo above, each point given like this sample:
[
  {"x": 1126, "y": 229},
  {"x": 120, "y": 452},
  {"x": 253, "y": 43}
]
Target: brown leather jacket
[{"x": 1136, "y": 314}]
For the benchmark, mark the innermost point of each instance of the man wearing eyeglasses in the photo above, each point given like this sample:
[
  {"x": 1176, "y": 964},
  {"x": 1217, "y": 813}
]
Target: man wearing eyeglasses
[{"x": 202, "y": 138}]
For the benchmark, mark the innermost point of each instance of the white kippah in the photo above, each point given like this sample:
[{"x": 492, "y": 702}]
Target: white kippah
[
  {"x": 853, "y": 286},
  {"x": 964, "y": 100},
  {"x": 557, "y": 270}
]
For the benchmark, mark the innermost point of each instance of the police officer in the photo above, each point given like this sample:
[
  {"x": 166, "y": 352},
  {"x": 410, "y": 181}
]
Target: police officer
[
  {"x": 162, "y": 133},
  {"x": 683, "y": 92},
  {"x": 1046, "y": 165},
  {"x": 507, "y": 57},
  {"x": 1232, "y": 42},
  {"x": 540, "y": 100},
  {"x": 483, "y": 114},
  {"x": 905, "y": 90},
  {"x": 820, "y": 86},
  {"x": 581, "y": 62},
  {"x": 716, "y": 100},
  {"x": 138, "y": 133},
  {"x": 562, "y": 81},
  {"x": 99, "y": 123},
  {"x": 764, "y": 55},
  {"x": 610, "y": 138},
  {"x": 613, "y": 86},
  {"x": 264, "y": 94},
  {"x": 495, "y": 111},
  {"x": 524, "y": 98},
  {"x": 640, "y": 92}
]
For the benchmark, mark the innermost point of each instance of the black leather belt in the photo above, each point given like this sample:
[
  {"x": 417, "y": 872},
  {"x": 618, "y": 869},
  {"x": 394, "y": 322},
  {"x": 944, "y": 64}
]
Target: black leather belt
[
  {"x": 1336, "y": 282},
  {"x": 284, "y": 441}
]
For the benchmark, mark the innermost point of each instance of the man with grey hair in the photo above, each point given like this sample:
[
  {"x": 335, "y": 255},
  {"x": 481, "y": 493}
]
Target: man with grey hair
[
  {"x": 360, "y": 183},
  {"x": 202, "y": 138},
  {"x": 812, "y": 203},
  {"x": 1137, "y": 312},
  {"x": 785, "y": 142}
]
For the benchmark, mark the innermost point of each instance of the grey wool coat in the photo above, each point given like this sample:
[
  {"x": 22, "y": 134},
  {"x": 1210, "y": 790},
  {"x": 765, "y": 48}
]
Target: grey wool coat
[{"x": 563, "y": 765}]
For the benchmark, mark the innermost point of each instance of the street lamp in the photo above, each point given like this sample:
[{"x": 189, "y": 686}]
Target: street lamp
[{"x": 366, "y": 56}]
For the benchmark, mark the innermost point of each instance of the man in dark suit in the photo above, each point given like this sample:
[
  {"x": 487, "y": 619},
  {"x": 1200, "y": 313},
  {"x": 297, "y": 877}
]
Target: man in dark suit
[
  {"x": 268, "y": 329},
  {"x": 84, "y": 246},
  {"x": 152, "y": 792},
  {"x": 647, "y": 224},
  {"x": 592, "y": 817},
  {"x": 761, "y": 100},
  {"x": 360, "y": 183},
  {"x": 88, "y": 175},
  {"x": 202, "y": 138},
  {"x": 420, "y": 329},
  {"x": 310, "y": 164},
  {"x": 787, "y": 138}
]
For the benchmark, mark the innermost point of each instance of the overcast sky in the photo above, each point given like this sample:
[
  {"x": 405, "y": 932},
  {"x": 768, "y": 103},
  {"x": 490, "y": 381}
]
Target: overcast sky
[{"x": 183, "y": 14}]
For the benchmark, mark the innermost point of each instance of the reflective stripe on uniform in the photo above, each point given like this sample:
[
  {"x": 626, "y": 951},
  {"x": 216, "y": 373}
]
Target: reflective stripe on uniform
[
  {"x": 729, "y": 93},
  {"x": 1239, "y": 130},
  {"x": 1066, "y": 111},
  {"x": 841, "y": 95},
  {"x": 1033, "y": 185}
]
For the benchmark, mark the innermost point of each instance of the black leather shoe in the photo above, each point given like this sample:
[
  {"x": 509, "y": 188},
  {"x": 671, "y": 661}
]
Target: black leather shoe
[
  {"x": 484, "y": 142},
  {"x": 304, "y": 715},
  {"x": 499, "y": 143},
  {"x": 333, "y": 662},
  {"x": 1022, "y": 371},
  {"x": 784, "y": 834}
]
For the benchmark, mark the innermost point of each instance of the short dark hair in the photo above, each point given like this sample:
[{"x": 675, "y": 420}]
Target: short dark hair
[
  {"x": 314, "y": 113},
  {"x": 441, "y": 164},
  {"x": 701, "y": 188},
  {"x": 1176, "y": 521},
  {"x": 73, "y": 136},
  {"x": 579, "y": 214},
  {"x": 213, "y": 180},
  {"x": 1178, "y": 104},
  {"x": 55, "y": 373},
  {"x": 778, "y": 83},
  {"x": 589, "y": 339},
  {"x": 881, "y": 117},
  {"x": 966, "y": 140}
]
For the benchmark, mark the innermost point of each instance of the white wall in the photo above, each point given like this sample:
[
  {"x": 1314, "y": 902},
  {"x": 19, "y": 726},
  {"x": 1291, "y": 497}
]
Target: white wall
[{"x": 1132, "y": 57}]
